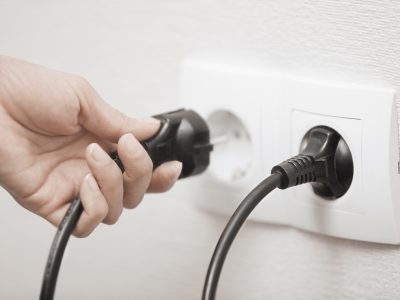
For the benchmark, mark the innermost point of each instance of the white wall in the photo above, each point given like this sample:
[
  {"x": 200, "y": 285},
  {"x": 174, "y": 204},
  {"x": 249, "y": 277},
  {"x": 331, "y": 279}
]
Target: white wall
[{"x": 130, "y": 51}]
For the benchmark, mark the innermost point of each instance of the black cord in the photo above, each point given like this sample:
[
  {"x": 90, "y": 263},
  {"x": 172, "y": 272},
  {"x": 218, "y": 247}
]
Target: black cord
[
  {"x": 60, "y": 241},
  {"x": 325, "y": 161},
  {"x": 57, "y": 249},
  {"x": 75, "y": 210},
  {"x": 232, "y": 229}
]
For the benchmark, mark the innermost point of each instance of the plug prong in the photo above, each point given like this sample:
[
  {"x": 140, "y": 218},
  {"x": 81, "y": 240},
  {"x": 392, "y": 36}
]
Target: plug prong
[{"x": 219, "y": 139}]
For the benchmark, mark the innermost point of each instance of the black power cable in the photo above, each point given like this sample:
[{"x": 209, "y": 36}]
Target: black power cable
[
  {"x": 325, "y": 161},
  {"x": 60, "y": 241},
  {"x": 232, "y": 229},
  {"x": 57, "y": 249}
]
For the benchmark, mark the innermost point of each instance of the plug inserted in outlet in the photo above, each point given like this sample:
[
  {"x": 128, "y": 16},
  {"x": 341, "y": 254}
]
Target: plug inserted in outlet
[{"x": 259, "y": 118}]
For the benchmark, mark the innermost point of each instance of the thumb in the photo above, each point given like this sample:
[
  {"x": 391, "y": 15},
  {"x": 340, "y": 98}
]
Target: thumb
[{"x": 103, "y": 120}]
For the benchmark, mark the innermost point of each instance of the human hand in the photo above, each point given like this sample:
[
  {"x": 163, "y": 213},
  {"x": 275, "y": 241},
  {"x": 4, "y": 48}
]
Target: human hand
[{"x": 56, "y": 132}]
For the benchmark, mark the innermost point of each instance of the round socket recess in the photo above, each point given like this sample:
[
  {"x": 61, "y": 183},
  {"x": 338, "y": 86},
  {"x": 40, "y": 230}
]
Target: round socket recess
[{"x": 232, "y": 155}]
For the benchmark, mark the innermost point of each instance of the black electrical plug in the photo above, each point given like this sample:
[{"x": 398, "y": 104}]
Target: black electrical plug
[
  {"x": 325, "y": 161},
  {"x": 183, "y": 136}
]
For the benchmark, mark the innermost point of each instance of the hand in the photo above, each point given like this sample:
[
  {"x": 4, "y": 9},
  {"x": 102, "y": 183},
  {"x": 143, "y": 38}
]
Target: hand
[{"x": 56, "y": 134}]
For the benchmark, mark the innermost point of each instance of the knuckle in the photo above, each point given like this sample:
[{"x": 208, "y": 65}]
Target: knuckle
[
  {"x": 138, "y": 154},
  {"x": 123, "y": 121},
  {"x": 100, "y": 213},
  {"x": 163, "y": 186},
  {"x": 146, "y": 166},
  {"x": 110, "y": 175},
  {"x": 113, "y": 218},
  {"x": 166, "y": 185},
  {"x": 81, "y": 233},
  {"x": 141, "y": 168},
  {"x": 110, "y": 220},
  {"x": 114, "y": 170},
  {"x": 82, "y": 83},
  {"x": 82, "y": 87},
  {"x": 164, "y": 182},
  {"x": 133, "y": 202}
]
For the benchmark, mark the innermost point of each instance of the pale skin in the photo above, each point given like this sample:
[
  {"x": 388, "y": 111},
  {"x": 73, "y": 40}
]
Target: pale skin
[{"x": 56, "y": 133}]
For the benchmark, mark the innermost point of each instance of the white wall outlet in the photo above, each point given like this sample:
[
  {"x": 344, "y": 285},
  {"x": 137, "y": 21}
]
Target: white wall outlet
[
  {"x": 367, "y": 120},
  {"x": 260, "y": 117},
  {"x": 217, "y": 91}
]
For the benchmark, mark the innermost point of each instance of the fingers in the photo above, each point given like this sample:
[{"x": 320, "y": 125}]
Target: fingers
[
  {"x": 106, "y": 122},
  {"x": 109, "y": 179},
  {"x": 107, "y": 191},
  {"x": 138, "y": 170},
  {"x": 138, "y": 176},
  {"x": 95, "y": 207},
  {"x": 165, "y": 176}
]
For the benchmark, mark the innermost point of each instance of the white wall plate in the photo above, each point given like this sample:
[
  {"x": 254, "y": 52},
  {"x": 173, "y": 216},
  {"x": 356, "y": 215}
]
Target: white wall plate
[
  {"x": 276, "y": 111},
  {"x": 208, "y": 88},
  {"x": 366, "y": 118}
]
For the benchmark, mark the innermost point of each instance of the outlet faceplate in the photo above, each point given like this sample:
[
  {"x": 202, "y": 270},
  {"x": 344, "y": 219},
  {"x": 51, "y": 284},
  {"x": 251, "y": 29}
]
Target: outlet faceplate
[{"x": 274, "y": 111}]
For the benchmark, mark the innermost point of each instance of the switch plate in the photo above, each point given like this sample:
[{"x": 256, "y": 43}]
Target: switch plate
[{"x": 277, "y": 110}]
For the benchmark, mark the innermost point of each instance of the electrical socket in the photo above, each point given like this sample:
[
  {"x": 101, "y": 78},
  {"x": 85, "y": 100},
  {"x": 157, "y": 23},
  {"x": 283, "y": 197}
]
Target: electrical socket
[{"x": 265, "y": 115}]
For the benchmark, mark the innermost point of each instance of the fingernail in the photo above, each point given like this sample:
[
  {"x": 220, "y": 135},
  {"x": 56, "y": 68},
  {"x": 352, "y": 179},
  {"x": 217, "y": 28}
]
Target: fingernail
[
  {"x": 131, "y": 144},
  {"x": 98, "y": 154},
  {"x": 175, "y": 168},
  {"x": 150, "y": 121},
  {"x": 91, "y": 182}
]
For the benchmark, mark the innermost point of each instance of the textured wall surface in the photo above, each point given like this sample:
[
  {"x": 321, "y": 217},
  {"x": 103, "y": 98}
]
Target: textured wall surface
[{"x": 130, "y": 50}]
